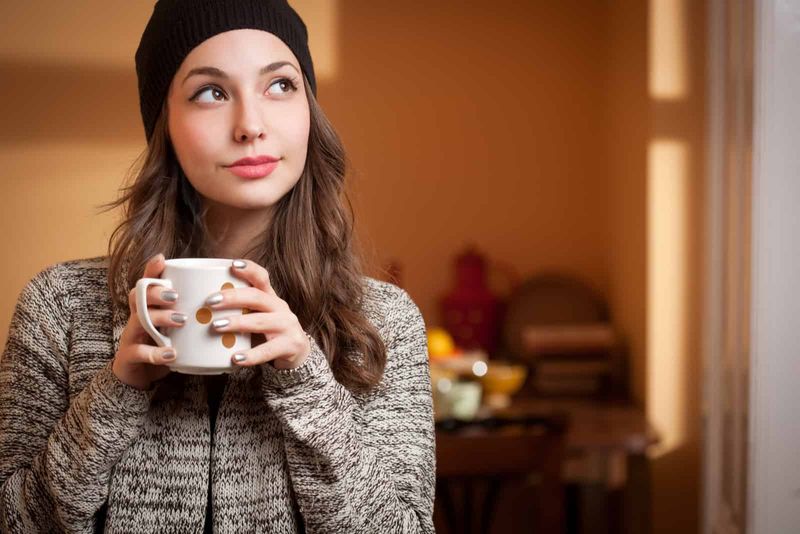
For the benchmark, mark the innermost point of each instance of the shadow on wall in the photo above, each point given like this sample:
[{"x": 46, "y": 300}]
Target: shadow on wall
[{"x": 69, "y": 104}]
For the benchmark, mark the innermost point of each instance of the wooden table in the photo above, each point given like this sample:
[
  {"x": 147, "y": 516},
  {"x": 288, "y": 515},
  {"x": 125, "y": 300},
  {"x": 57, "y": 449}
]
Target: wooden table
[{"x": 606, "y": 446}]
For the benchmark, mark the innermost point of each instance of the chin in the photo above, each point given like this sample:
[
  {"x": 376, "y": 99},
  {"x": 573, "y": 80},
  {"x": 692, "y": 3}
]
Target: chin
[{"x": 252, "y": 202}]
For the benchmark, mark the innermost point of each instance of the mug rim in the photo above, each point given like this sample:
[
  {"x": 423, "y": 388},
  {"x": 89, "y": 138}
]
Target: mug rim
[{"x": 205, "y": 263}]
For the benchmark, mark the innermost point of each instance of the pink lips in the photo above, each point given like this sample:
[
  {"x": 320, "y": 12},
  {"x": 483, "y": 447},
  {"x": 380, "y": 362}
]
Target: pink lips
[{"x": 257, "y": 167}]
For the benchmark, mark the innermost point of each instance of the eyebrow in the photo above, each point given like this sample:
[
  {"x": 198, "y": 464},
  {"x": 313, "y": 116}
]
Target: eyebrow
[{"x": 214, "y": 71}]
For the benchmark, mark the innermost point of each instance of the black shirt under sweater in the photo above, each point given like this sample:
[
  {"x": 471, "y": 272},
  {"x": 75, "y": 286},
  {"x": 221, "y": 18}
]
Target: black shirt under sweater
[{"x": 215, "y": 384}]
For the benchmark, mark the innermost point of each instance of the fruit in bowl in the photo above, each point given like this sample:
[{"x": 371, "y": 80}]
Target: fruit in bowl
[
  {"x": 441, "y": 344},
  {"x": 501, "y": 381}
]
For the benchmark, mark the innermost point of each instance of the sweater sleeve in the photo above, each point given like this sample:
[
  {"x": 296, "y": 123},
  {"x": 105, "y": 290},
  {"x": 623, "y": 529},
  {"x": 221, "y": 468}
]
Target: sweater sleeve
[
  {"x": 56, "y": 456},
  {"x": 373, "y": 476}
]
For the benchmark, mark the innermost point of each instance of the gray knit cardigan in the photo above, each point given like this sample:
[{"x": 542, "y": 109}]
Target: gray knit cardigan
[{"x": 294, "y": 450}]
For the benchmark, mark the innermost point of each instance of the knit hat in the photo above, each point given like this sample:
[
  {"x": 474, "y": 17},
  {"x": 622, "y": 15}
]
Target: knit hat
[{"x": 178, "y": 26}]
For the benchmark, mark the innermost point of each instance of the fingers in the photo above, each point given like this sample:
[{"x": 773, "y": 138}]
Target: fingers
[
  {"x": 277, "y": 347},
  {"x": 168, "y": 318},
  {"x": 251, "y": 298},
  {"x": 165, "y": 318},
  {"x": 134, "y": 331},
  {"x": 154, "y": 266},
  {"x": 254, "y": 273},
  {"x": 134, "y": 348},
  {"x": 156, "y": 296},
  {"x": 140, "y": 353},
  {"x": 266, "y": 323}
]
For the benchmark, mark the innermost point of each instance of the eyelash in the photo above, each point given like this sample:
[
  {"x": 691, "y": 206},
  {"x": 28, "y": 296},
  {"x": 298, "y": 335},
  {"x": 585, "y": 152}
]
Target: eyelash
[{"x": 292, "y": 84}]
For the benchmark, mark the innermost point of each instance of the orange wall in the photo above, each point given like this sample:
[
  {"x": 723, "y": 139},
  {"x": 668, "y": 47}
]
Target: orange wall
[
  {"x": 627, "y": 114},
  {"x": 468, "y": 124}
]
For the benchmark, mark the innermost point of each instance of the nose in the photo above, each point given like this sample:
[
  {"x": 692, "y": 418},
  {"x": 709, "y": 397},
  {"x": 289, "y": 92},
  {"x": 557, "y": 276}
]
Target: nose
[{"x": 249, "y": 124}]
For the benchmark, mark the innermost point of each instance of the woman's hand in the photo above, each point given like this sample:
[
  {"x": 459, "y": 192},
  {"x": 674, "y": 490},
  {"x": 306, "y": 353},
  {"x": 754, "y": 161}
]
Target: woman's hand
[
  {"x": 287, "y": 345},
  {"x": 138, "y": 362}
]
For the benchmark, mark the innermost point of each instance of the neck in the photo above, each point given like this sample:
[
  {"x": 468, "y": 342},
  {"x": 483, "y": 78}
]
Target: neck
[{"x": 236, "y": 230}]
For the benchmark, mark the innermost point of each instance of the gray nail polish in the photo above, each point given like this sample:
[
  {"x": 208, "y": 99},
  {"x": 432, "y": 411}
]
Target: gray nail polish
[
  {"x": 216, "y": 298},
  {"x": 168, "y": 355},
  {"x": 239, "y": 264},
  {"x": 239, "y": 357},
  {"x": 179, "y": 317},
  {"x": 169, "y": 295},
  {"x": 220, "y": 323}
]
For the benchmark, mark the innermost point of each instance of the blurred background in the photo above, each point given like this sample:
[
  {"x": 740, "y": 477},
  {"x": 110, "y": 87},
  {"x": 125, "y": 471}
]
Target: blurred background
[{"x": 533, "y": 173}]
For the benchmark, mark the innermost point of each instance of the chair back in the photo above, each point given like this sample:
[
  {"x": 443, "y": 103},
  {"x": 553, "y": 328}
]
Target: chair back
[{"x": 500, "y": 479}]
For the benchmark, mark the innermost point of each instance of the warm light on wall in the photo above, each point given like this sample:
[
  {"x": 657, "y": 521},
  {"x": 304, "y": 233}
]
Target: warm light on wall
[
  {"x": 667, "y": 212},
  {"x": 321, "y": 18},
  {"x": 668, "y": 77}
]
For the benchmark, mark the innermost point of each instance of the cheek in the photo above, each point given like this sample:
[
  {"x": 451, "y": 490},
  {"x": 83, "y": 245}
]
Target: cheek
[
  {"x": 192, "y": 142},
  {"x": 297, "y": 135}
]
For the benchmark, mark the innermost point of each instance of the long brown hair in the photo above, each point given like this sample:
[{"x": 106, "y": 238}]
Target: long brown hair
[{"x": 308, "y": 247}]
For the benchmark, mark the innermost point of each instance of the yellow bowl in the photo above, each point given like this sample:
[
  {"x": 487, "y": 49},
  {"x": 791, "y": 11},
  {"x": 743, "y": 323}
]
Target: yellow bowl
[{"x": 505, "y": 379}]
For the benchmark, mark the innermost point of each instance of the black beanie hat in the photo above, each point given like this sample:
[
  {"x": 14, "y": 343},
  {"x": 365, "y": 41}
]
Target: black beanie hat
[{"x": 178, "y": 26}]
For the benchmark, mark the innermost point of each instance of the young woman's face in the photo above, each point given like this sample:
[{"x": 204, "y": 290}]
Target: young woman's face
[{"x": 217, "y": 117}]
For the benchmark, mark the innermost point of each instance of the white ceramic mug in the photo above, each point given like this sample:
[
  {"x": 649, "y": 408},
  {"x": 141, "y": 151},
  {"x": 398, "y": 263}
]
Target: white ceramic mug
[{"x": 200, "y": 349}]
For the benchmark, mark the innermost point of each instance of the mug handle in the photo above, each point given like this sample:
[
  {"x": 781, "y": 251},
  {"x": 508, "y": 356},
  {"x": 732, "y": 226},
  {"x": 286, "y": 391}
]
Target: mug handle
[{"x": 141, "y": 308}]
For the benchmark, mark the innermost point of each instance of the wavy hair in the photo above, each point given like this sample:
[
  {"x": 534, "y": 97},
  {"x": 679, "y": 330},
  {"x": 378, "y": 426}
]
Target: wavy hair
[{"x": 308, "y": 247}]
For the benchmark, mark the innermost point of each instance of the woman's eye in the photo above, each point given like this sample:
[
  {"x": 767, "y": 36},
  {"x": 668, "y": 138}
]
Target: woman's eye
[
  {"x": 285, "y": 84},
  {"x": 211, "y": 90}
]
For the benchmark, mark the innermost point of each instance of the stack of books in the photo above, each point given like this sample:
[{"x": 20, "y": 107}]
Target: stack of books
[{"x": 575, "y": 360}]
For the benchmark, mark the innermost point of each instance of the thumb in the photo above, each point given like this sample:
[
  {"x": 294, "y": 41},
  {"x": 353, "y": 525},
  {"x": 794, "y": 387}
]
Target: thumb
[{"x": 154, "y": 266}]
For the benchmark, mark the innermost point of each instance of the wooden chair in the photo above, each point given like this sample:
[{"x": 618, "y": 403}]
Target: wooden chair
[{"x": 502, "y": 479}]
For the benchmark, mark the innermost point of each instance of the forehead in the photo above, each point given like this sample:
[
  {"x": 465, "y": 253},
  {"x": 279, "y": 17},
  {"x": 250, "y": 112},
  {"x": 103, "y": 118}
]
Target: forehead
[{"x": 238, "y": 50}]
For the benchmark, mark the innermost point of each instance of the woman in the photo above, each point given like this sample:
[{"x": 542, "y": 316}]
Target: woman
[{"x": 326, "y": 425}]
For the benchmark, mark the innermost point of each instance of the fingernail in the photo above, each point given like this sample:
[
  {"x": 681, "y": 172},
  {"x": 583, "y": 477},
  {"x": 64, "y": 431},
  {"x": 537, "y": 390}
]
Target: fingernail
[
  {"x": 179, "y": 317},
  {"x": 239, "y": 264},
  {"x": 239, "y": 357},
  {"x": 168, "y": 355},
  {"x": 215, "y": 298},
  {"x": 221, "y": 323},
  {"x": 169, "y": 295}
]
